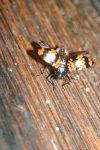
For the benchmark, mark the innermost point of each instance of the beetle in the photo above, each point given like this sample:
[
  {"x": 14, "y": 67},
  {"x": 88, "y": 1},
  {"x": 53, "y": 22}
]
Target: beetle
[{"x": 60, "y": 62}]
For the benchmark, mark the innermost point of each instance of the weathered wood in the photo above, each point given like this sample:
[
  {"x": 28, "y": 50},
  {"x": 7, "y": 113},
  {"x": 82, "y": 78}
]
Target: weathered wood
[{"x": 32, "y": 114}]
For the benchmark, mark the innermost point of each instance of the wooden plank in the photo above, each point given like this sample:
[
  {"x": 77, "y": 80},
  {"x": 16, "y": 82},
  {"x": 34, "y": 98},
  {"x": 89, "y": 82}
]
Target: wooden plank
[{"x": 32, "y": 114}]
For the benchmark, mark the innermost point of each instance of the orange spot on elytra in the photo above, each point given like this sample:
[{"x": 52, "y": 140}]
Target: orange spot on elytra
[
  {"x": 70, "y": 65},
  {"x": 79, "y": 57},
  {"x": 52, "y": 51},
  {"x": 41, "y": 51},
  {"x": 57, "y": 64},
  {"x": 90, "y": 62}
]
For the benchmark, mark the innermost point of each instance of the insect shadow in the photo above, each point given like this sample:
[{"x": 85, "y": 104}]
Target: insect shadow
[{"x": 33, "y": 54}]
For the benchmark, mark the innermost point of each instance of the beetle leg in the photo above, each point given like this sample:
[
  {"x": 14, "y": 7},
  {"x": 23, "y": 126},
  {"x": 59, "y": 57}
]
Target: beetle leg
[
  {"x": 64, "y": 77},
  {"x": 49, "y": 78}
]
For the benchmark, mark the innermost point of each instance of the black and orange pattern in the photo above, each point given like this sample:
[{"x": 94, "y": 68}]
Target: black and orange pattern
[
  {"x": 62, "y": 63},
  {"x": 79, "y": 62},
  {"x": 50, "y": 56}
]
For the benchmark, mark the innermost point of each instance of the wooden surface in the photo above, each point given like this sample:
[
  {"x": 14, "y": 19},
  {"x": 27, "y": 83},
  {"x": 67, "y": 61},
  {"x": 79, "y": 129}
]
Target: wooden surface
[{"x": 32, "y": 115}]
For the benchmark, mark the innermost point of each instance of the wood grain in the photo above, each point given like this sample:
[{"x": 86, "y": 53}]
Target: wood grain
[{"x": 33, "y": 116}]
